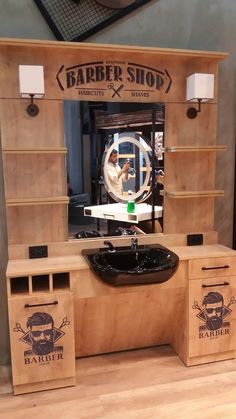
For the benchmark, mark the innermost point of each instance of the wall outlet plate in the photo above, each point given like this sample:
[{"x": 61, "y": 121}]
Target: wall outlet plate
[
  {"x": 194, "y": 239},
  {"x": 38, "y": 252}
]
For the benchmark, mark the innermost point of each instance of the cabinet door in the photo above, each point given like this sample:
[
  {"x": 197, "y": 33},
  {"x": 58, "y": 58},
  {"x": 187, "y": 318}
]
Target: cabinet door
[
  {"x": 212, "y": 316},
  {"x": 42, "y": 341}
]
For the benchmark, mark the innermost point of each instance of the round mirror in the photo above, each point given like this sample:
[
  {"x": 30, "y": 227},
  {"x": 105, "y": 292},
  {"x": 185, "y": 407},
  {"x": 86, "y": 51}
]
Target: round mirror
[{"x": 126, "y": 167}]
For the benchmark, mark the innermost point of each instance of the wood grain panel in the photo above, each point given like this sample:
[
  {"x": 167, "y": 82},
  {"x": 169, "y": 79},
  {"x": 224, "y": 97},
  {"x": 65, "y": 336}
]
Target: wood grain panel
[
  {"x": 31, "y": 176},
  {"x": 19, "y": 130},
  {"x": 190, "y": 171},
  {"x": 37, "y": 224},
  {"x": 188, "y": 215},
  {"x": 74, "y": 247},
  {"x": 182, "y": 131},
  {"x": 114, "y": 318}
]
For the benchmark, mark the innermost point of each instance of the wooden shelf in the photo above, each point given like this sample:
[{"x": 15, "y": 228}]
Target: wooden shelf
[
  {"x": 62, "y": 150},
  {"x": 38, "y": 283},
  {"x": 194, "y": 194},
  {"x": 178, "y": 149},
  {"x": 15, "y": 202}
]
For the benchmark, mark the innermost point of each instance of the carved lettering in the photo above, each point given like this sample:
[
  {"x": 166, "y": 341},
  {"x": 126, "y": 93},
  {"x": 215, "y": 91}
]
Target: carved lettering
[
  {"x": 214, "y": 333},
  {"x": 99, "y": 71},
  {"x": 43, "y": 359},
  {"x": 117, "y": 73},
  {"x": 144, "y": 77},
  {"x": 140, "y": 94},
  {"x": 70, "y": 79},
  {"x": 80, "y": 77},
  {"x": 92, "y": 73},
  {"x": 130, "y": 71}
]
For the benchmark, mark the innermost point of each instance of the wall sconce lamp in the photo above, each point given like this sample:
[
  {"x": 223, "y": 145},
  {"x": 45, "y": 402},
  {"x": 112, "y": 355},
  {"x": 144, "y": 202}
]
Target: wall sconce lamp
[
  {"x": 200, "y": 88},
  {"x": 31, "y": 78}
]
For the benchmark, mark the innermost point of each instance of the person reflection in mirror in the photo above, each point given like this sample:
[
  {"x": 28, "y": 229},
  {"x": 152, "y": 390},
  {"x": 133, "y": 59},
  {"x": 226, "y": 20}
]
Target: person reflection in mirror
[
  {"x": 116, "y": 174},
  {"x": 160, "y": 178}
]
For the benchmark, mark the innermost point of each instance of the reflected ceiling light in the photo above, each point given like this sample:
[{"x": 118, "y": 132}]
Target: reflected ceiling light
[
  {"x": 200, "y": 88},
  {"x": 31, "y": 79}
]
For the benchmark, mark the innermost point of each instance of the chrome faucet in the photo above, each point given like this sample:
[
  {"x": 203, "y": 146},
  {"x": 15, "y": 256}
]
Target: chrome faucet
[
  {"x": 134, "y": 244},
  {"x": 110, "y": 246}
]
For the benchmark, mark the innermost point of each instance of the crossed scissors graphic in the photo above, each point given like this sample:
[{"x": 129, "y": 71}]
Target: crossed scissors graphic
[
  {"x": 18, "y": 328},
  {"x": 116, "y": 91}
]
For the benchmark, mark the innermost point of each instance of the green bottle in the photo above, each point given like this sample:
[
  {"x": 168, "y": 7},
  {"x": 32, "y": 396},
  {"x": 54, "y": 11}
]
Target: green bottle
[{"x": 131, "y": 203}]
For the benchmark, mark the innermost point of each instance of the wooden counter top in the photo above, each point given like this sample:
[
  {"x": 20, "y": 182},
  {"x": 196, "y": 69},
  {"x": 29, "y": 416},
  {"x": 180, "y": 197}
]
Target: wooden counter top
[
  {"x": 205, "y": 251},
  {"x": 21, "y": 267}
]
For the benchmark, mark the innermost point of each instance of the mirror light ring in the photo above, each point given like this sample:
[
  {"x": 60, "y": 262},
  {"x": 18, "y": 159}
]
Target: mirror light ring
[{"x": 144, "y": 188}]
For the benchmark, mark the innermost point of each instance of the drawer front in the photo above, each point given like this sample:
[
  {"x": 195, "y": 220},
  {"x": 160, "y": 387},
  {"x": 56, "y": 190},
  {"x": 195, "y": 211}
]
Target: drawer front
[
  {"x": 42, "y": 338},
  {"x": 212, "y": 267}
]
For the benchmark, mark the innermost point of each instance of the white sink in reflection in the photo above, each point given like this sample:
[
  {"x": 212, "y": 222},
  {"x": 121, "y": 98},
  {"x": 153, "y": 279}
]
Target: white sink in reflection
[{"x": 119, "y": 212}]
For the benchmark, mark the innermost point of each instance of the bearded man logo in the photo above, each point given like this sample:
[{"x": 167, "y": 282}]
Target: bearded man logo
[
  {"x": 41, "y": 333},
  {"x": 213, "y": 313}
]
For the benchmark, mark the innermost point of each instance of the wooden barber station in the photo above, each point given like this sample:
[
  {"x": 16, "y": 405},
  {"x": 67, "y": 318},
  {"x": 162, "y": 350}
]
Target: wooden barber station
[{"x": 58, "y": 307}]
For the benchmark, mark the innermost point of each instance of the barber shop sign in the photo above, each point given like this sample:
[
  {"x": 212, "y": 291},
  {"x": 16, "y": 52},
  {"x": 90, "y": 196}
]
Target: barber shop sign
[
  {"x": 113, "y": 79},
  {"x": 213, "y": 315}
]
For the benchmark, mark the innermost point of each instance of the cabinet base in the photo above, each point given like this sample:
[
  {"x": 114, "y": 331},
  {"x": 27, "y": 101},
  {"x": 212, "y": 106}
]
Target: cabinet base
[
  {"x": 47, "y": 385},
  {"x": 205, "y": 359}
]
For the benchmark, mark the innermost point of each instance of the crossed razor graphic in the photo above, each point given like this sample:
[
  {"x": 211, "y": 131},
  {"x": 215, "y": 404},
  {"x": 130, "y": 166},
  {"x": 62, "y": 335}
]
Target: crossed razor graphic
[{"x": 116, "y": 91}]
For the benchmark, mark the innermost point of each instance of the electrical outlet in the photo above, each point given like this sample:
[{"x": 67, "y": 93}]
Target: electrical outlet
[
  {"x": 194, "y": 239},
  {"x": 38, "y": 252}
]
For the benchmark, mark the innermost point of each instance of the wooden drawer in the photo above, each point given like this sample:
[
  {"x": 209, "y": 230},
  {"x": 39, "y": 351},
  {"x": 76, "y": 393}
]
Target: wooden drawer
[
  {"x": 212, "y": 267},
  {"x": 42, "y": 341}
]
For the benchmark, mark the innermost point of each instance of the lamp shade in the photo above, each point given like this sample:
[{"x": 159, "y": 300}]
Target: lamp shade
[
  {"x": 200, "y": 86},
  {"x": 31, "y": 78}
]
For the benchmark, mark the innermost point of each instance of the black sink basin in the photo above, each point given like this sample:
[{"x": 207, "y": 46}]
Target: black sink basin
[{"x": 124, "y": 266}]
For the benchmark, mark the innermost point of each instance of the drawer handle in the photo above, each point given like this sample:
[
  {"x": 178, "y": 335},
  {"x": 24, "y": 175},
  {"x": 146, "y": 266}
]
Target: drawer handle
[
  {"x": 41, "y": 305},
  {"x": 216, "y": 285},
  {"x": 215, "y": 267}
]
